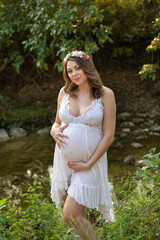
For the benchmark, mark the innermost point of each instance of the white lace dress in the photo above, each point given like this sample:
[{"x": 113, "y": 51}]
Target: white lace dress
[{"x": 89, "y": 188}]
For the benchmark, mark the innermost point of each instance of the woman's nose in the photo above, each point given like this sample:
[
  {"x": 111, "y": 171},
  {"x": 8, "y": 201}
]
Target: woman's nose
[{"x": 74, "y": 72}]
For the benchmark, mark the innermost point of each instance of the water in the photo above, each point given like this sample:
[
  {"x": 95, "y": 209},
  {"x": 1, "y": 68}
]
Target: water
[{"x": 18, "y": 159}]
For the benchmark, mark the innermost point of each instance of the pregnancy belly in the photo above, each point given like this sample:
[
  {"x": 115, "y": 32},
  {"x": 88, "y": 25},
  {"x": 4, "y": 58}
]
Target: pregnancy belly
[{"x": 82, "y": 142}]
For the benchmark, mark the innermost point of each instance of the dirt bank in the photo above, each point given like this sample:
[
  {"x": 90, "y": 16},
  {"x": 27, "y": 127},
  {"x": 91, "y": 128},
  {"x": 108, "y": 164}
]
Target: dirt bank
[{"x": 40, "y": 90}]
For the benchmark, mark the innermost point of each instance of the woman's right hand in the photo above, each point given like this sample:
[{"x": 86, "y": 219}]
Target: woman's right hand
[{"x": 58, "y": 136}]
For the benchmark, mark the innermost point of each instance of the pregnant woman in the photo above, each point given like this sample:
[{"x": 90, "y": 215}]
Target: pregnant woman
[{"x": 83, "y": 130}]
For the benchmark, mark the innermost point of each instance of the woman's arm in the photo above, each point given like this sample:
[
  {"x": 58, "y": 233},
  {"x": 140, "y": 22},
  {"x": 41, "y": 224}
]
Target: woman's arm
[
  {"x": 56, "y": 130},
  {"x": 109, "y": 122}
]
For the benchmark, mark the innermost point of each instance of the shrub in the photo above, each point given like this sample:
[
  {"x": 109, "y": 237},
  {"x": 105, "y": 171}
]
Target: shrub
[
  {"x": 137, "y": 205},
  {"x": 40, "y": 29},
  {"x": 136, "y": 210},
  {"x": 5, "y": 109},
  {"x": 150, "y": 71}
]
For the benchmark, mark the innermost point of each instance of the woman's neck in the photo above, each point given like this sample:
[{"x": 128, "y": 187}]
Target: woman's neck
[{"x": 84, "y": 89}]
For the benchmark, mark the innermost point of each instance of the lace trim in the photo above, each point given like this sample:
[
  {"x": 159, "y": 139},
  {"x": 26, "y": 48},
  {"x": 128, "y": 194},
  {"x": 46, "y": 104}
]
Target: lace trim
[
  {"x": 95, "y": 108},
  {"x": 88, "y": 109}
]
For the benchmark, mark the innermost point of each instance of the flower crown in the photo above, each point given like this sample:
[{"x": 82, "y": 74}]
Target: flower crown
[{"x": 76, "y": 53}]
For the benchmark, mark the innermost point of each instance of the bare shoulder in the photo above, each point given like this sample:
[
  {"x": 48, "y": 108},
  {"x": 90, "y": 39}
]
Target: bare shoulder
[
  {"x": 108, "y": 95},
  {"x": 61, "y": 94}
]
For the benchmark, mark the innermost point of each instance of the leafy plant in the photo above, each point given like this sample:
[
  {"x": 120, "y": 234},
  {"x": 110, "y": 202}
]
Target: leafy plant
[
  {"x": 150, "y": 172},
  {"x": 137, "y": 205},
  {"x": 136, "y": 211},
  {"x": 5, "y": 109},
  {"x": 50, "y": 28},
  {"x": 39, "y": 31},
  {"x": 149, "y": 71}
]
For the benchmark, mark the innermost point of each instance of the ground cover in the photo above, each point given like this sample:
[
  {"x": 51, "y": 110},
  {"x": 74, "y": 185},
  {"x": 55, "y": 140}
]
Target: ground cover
[{"x": 136, "y": 211}]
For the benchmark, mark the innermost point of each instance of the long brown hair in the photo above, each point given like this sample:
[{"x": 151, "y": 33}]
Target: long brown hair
[{"x": 89, "y": 69}]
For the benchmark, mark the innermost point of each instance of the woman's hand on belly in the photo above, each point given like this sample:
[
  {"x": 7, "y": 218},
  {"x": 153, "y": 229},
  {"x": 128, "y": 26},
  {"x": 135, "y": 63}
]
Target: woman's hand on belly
[
  {"x": 58, "y": 136},
  {"x": 79, "y": 166}
]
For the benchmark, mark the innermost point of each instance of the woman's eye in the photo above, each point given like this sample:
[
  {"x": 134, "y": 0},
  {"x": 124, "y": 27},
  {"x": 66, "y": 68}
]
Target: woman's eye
[
  {"x": 69, "y": 71},
  {"x": 78, "y": 68}
]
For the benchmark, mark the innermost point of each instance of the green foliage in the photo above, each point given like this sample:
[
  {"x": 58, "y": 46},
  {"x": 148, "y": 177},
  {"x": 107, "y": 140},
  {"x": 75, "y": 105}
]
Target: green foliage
[
  {"x": 130, "y": 21},
  {"x": 137, "y": 205},
  {"x": 5, "y": 109},
  {"x": 2, "y": 203},
  {"x": 50, "y": 28},
  {"x": 150, "y": 173},
  {"x": 136, "y": 211},
  {"x": 150, "y": 71},
  {"x": 39, "y": 31},
  {"x": 118, "y": 51},
  {"x": 127, "y": 124},
  {"x": 15, "y": 114},
  {"x": 40, "y": 220}
]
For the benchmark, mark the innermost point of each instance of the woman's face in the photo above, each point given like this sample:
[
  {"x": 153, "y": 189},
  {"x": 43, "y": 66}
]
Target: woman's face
[{"x": 76, "y": 73}]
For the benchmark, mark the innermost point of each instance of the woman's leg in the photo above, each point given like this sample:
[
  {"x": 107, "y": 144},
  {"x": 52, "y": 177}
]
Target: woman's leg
[{"x": 74, "y": 215}]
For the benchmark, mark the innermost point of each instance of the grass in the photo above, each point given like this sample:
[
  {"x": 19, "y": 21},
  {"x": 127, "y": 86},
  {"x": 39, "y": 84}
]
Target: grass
[
  {"x": 17, "y": 114},
  {"x": 136, "y": 209},
  {"x": 26, "y": 113}
]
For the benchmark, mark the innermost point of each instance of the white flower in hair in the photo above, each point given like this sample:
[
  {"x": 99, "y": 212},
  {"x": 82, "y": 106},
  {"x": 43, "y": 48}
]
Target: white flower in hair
[
  {"x": 76, "y": 53},
  {"x": 67, "y": 56}
]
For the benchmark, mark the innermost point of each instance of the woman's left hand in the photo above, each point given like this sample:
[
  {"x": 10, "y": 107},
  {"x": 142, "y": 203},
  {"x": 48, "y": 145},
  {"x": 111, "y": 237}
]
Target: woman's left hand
[{"x": 79, "y": 166}]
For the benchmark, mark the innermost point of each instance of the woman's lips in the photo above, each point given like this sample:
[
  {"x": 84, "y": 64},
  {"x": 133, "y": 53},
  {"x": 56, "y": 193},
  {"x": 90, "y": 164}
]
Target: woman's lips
[{"x": 77, "y": 79}]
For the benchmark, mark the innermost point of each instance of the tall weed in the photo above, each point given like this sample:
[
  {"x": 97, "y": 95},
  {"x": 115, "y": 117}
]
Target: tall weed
[{"x": 136, "y": 210}]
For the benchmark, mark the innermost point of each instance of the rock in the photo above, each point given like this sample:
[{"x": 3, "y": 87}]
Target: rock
[
  {"x": 140, "y": 163},
  {"x": 122, "y": 134},
  {"x": 150, "y": 122},
  {"x": 17, "y": 132},
  {"x": 3, "y": 135},
  {"x": 136, "y": 133},
  {"x": 43, "y": 131},
  {"x": 156, "y": 129},
  {"x": 123, "y": 116},
  {"x": 154, "y": 115},
  {"x": 141, "y": 137},
  {"x": 138, "y": 120},
  {"x": 142, "y": 115},
  {"x": 116, "y": 145},
  {"x": 126, "y": 130},
  {"x": 154, "y": 134},
  {"x": 129, "y": 159},
  {"x": 136, "y": 145},
  {"x": 145, "y": 131}
]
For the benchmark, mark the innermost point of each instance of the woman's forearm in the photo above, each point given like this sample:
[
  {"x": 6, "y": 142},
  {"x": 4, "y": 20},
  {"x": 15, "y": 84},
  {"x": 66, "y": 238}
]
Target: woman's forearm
[
  {"x": 57, "y": 134},
  {"x": 101, "y": 149},
  {"x": 55, "y": 125}
]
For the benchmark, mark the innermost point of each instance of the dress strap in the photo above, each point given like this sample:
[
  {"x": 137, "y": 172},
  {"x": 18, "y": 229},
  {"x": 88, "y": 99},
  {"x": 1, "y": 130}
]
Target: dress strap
[
  {"x": 99, "y": 101},
  {"x": 65, "y": 101}
]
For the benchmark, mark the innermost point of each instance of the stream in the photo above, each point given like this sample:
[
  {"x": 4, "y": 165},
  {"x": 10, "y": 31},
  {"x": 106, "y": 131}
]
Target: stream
[{"x": 24, "y": 159}]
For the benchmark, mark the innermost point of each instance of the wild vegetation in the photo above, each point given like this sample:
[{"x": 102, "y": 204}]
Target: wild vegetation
[
  {"x": 149, "y": 71},
  {"x": 36, "y": 35},
  {"x": 136, "y": 211},
  {"x": 40, "y": 31}
]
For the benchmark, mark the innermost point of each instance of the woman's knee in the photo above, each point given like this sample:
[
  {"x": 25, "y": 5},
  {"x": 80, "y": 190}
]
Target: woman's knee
[
  {"x": 69, "y": 216},
  {"x": 72, "y": 211}
]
